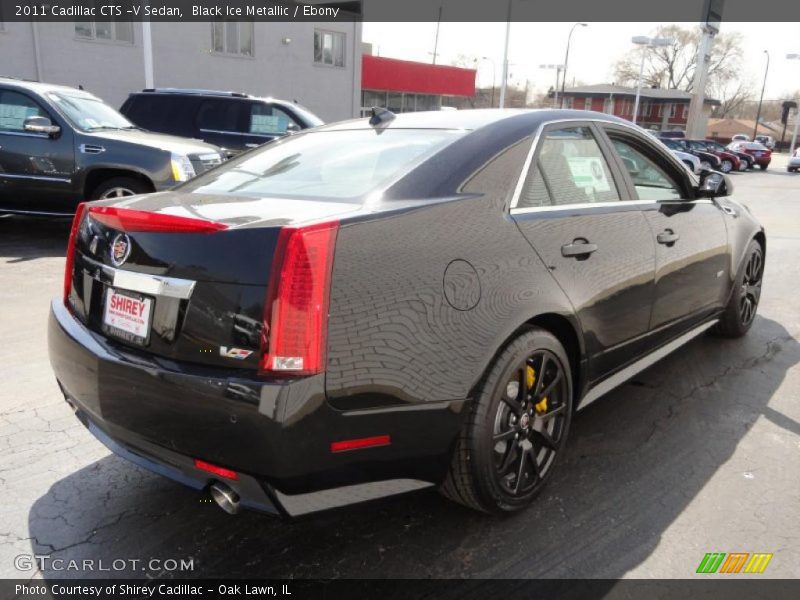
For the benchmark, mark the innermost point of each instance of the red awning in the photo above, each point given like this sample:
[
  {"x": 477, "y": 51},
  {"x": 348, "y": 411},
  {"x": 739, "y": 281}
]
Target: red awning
[{"x": 390, "y": 74}]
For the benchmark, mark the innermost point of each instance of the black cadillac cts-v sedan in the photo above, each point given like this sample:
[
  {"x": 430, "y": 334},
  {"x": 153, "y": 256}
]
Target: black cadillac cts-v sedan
[{"x": 378, "y": 305}]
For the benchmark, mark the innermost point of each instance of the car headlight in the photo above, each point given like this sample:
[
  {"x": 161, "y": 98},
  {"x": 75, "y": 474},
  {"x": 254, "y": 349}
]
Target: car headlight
[{"x": 182, "y": 169}]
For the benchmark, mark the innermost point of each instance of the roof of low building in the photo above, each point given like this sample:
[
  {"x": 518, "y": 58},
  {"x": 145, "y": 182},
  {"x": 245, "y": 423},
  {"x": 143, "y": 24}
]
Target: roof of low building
[
  {"x": 608, "y": 89},
  {"x": 729, "y": 127}
]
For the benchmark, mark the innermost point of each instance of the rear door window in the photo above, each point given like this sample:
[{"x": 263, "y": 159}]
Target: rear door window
[
  {"x": 159, "y": 113},
  {"x": 570, "y": 168},
  {"x": 224, "y": 115},
  {"x": 15, "y": 108}
]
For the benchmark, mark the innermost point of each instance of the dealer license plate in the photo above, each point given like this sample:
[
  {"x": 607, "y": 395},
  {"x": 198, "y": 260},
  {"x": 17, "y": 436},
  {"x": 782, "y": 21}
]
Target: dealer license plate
[{"x": 127, "y": 316}]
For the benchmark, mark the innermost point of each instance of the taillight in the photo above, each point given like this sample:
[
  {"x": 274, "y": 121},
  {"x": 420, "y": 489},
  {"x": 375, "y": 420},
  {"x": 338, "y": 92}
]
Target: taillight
[
  {"x": 296, "y": 312},
  {"x": 73, "y": 234},
  {"x": 127, "y": 219}
]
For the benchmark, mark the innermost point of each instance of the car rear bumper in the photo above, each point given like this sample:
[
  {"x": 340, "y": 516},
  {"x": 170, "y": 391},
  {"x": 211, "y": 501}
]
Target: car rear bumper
[{"x": 276, "y": 435}]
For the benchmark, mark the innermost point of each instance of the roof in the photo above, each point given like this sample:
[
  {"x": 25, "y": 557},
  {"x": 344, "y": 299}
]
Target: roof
[
  {"x": 472, "y": 118},
  {"x": 607, "y": 89},
  {"x": 725, "y": 128},
  {"x": 393, "y": 75},
  {"x": 40, "y": 87}
]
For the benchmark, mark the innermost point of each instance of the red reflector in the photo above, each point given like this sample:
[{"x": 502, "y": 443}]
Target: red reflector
[
  {"x": 73, "y": 234},
  {"x": 358, "y": 444},
  {"x": 127, "y": 219},
  {"x": 296, "y": 312},
  {"x": 222, "y": 472}
]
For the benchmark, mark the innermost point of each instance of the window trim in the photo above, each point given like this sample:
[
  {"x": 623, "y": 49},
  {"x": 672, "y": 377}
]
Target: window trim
[
  {"x": 42, "y": 106},
  {"x": 614, "y": 165},
  {"x": 333, "y": 65},
  {"x": 113, "y": 41},
  {"x": 225, "y": 54}
]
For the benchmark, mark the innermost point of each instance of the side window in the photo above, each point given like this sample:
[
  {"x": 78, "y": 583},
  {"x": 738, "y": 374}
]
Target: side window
[
  {"x": 570, "y": 169},
  {"x": 157, "y": 112},
  {"x": 652, "y": 182},
  {"x": 15, "y": 108},
  {"x": 267, "y": 119},
  {"x": 221, "y": 115}
]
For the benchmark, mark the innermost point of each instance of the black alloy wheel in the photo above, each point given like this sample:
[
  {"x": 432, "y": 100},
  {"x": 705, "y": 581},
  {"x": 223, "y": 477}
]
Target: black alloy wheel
[
  {"x": 516, "y": 427},
  {"x": 740, "y": 311},
  {"x": 529, "y": 423}
]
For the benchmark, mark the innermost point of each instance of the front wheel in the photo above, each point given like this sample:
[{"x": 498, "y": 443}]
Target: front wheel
[
  {"x": 119, "y": 187},
  {"x": 763, "y": 167},
  {"x": 743, "y": 165},
  {"x": 743, "y": 303},
  {"x": 726, "y": 166},
  {"x": 516, "y": 427}
]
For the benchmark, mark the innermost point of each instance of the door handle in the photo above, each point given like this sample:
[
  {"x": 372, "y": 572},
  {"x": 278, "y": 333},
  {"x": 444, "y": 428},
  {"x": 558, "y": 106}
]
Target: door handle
[
  {"x": 579, "y": 247},
  {"x": 667, "y": 237}
]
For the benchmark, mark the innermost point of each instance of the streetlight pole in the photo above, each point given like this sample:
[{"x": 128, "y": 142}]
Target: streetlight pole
[
  {"x": 645, "y": 42},
  {"x": 566, "y": 62},
  {"x": 505, "y": 58},
  {"x": 796, "y": 112},
  {"x": 761, "y": 100},
  {"x": 558, "y": 69}
]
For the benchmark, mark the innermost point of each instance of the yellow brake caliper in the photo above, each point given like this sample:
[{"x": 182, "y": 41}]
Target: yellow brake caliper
[{"x": 541, "y": 406}]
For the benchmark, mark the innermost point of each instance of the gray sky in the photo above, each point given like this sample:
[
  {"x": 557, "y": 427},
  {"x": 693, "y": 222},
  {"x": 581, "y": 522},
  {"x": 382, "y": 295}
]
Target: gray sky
[{"x": 593, "y": 51}]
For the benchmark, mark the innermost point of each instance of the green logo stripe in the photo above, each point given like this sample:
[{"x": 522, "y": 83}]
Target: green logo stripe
[{"x": 711, "y": 562}]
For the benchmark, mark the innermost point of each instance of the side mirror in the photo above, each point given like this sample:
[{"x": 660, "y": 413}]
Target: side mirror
[
  {"x": 40, "y": 125},
  {"x": 292, "y": 128},
  {"x": 714, "y": 184}
]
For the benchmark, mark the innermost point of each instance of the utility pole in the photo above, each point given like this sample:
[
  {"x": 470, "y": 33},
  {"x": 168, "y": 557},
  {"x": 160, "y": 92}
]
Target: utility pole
[
  {"x": 712, "y": 17},
  {"x": 436, "y": 39},
  {"x": 505, "y": 59}
]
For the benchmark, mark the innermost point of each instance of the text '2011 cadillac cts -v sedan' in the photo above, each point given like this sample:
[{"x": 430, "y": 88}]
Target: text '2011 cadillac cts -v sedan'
[{"x": 380, "y": 305}]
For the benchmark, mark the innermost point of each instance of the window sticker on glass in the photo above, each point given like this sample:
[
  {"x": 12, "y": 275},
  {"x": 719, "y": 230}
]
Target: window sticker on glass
[
  {"x": 264, "y": 124},
  {"x": 588, "y": 172},
  {"x": 12, "y": 116}
]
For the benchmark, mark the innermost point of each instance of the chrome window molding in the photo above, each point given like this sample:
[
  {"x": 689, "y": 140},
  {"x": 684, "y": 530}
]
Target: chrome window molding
[
  {"x": 532, "y": 152},
  {"x": 36, "y": 177},
  {"x": 43, "y": 136}
]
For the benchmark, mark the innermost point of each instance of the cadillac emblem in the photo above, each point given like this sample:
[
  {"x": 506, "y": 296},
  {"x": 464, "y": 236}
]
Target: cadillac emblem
[{"x": 120, "y": 249}]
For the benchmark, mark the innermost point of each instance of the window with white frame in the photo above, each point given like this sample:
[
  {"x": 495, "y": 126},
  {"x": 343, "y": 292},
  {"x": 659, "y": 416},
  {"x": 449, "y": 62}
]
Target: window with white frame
[
  {"x": 112, "y": 31},
  {"x": 329, "y": 48},
  {"x": 644, "y": 110},
  {"x": 673, "y": 109},
  {"x": 232, "y": 37},
  {"x": 587, "y": 104}
]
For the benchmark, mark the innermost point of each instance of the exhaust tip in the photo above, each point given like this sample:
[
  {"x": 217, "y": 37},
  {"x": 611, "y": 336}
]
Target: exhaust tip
[{"x": 225, "y": 497}]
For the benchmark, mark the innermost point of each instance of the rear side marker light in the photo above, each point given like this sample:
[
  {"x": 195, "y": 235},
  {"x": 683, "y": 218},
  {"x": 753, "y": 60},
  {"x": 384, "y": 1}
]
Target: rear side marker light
[
  {"x": 360, "y": 443},
  {"x": 127, "y": 219},
  {"x": 73, "y": 234},
  {"x": 220, "y": 471},
  {"x": 294, "y": 334}
]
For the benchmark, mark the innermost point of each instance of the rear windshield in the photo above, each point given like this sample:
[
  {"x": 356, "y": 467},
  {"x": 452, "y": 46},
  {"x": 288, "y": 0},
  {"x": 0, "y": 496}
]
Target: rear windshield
[{"x": 325, "y": 164}]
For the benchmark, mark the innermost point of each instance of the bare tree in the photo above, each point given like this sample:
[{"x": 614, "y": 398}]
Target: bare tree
[
  {"x": 673, "y": 66},
  {"x": 734, "y": 96}
]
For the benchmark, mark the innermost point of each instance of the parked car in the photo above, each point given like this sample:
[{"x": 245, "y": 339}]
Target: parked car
[
  {"x": 673, "y": 134},
  {"x": 60, "y": 145},
  {"x": 746, "y": 161},
  {"x": 728, "y": 160},
  {"x": 690, "y": 160},
  {"x": 760, "y": 154},
  {"x": 494, "y": 271},
  {"x": 767, "y": 140},
  {"x": 794, "y": 162},
  {"x": 708, "y": 161},
  {"x": 740, "y": 137},
  {"x": 232, "y": 120}
]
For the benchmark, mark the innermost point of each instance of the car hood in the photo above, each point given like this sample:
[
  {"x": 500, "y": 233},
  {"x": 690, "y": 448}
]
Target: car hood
[{"x": 169, "y": 143}]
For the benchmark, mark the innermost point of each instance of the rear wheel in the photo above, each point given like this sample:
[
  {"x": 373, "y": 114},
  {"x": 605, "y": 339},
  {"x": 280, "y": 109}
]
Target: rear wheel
[
  {"x": 763, "y": 167},
  {"x": 119, "y": 187},
  {"x": 726, "y": 166},
  {"x": 516, "y": 427},
  {"x": 741, "y": 309},
  {"x": 743, "y": 165}
]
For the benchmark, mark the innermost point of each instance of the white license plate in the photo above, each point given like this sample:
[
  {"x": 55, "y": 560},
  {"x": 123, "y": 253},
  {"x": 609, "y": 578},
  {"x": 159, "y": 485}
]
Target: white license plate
[
  {"x": 759, "y": 154},
  {"x": 127, "y": 316}
]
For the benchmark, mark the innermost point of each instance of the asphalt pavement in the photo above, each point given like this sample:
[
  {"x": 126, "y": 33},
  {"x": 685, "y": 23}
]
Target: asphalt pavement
[{"x": 700, "y": 453}]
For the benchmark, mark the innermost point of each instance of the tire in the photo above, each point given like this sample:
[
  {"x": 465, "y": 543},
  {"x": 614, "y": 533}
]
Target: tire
[
  {"x": 488, "y": 459},
  {"x": 726, "y": 166},
  {"x": 743, "y": 165},
  {"x": 738, "y": 316},
  {"x": 119, "y": 187},
  {"x": 763, "y": 167},
  {"x": 705, "y": 166}
]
